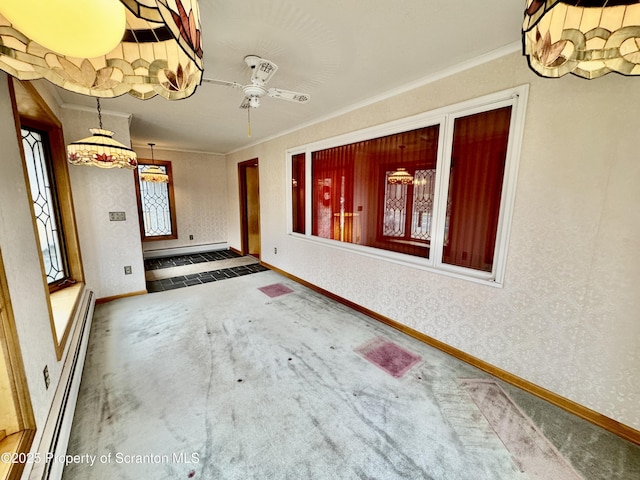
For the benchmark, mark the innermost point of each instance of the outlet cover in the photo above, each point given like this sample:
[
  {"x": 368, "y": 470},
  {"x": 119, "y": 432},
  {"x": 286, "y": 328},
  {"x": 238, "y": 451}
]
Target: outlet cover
[
  {"x": 47, "y": 379},
  {"x": 117, "y": 216}
]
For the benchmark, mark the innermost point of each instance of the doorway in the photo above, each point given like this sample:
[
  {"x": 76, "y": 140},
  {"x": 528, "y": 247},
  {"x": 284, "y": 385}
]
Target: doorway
[{"x": 249, "y": 207}]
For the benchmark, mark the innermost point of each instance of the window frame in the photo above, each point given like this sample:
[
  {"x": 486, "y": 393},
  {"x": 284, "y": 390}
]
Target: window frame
[
  {"x": 445, "y": 117},
  {"x": 63, "y": 298},
  {"x": 171, "y": 200},
  {"x": 55, "y": 206}
]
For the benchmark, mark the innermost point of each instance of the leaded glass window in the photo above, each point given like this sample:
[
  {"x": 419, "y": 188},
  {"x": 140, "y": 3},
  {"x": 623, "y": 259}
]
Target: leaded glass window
[
  {"x": 155, "y": 203},
  {"x": 45, "y": 205}
]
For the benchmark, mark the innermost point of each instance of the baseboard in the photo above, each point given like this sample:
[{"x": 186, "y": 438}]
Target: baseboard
[
  {"x": 122, "y": 295},
  {"x": 613, "y": 426},
  {"x": 57, "y": 429},
  {"x": 186, "y": 250}
]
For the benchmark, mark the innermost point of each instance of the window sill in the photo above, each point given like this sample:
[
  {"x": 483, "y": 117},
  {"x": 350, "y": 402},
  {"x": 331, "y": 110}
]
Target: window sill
[{"x": 64, "y": 304}]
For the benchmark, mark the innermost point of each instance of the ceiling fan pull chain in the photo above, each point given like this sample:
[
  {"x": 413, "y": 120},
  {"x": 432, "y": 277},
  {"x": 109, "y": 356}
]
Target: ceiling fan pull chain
[{"x": 249, "y": 122}]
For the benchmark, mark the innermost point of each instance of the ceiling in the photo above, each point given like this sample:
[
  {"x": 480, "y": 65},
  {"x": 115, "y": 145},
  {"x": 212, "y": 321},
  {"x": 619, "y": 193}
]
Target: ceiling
[{"x": 340, "y": 52}]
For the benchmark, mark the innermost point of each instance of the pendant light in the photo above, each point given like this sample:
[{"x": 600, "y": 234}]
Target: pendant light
[
  {"x": 153, "y": 173},
  {"x": 588, "y": 38},
  {"x": 100, "y": 150},
  {"x": 104, "y": 48},
  {"x": 400, "y": 176}
]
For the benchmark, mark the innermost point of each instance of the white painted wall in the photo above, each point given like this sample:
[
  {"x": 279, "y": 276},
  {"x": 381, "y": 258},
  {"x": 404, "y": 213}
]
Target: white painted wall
[
  {"x": 568, "y": 316},
  {"x": 200, "y": 189},
  {"x": 107, "y": 247}
]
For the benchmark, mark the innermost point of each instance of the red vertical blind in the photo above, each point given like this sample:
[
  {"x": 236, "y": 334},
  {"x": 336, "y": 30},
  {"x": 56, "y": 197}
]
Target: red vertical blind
[
  {"x": 298, "y": 192},
  {"x": 475, "y": 188},
  {"x": 353, "y": 202}
]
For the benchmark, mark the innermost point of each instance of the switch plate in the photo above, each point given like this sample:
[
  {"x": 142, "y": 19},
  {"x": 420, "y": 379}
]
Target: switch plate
[
  {"x": 117, "y": 216},
  {"x": 190, "y": 237},
  {"x": 127, "y": 270}
]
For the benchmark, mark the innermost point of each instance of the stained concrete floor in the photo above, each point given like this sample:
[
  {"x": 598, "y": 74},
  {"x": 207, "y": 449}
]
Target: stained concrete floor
[{"x": 221, "y": 381}]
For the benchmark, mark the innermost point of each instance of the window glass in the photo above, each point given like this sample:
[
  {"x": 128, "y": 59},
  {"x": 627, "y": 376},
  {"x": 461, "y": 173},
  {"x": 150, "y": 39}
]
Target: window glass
[
  {"x": 298, "y": 192},
  {"x": 356, "y": 201},
  {"x": 156, "y": 202},
  {"x": 475, "y": 188},
  {"x": 435, "y": 190},
  {"x": 45, "y": 205}
]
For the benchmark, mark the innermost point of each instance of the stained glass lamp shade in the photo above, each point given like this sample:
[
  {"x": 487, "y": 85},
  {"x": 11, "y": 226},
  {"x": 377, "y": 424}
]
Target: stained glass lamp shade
[
  {"x": 154, "y": 173},
  {"x": 588, "y": 38},
  {"x": 101, "y": 150},
  {"x": 158, "y": 52},
  {"x": 400, "y": 176}
]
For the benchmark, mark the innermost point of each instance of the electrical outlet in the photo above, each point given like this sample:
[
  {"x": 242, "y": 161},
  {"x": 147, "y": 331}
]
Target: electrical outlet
[
  {"x": 127, "y": 270},
  {"x": 275, "y": 250},
  {"x": 117, "y": 216},
  {"x": 190, "y": 237},
  {"x": 47, "y": 379}
]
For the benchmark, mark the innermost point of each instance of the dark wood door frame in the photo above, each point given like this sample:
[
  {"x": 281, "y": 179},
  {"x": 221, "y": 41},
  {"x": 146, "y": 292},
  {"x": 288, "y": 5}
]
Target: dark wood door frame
[{"x": 244, "y": 215}]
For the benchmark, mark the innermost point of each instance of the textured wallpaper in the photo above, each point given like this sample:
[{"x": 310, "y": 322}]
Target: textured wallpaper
[
  {"x": 22, "y": 269},
  {"x": 568, "y": 316},
  {"x": 200, "y": 190},
  {"x": 107, "y": 247}
]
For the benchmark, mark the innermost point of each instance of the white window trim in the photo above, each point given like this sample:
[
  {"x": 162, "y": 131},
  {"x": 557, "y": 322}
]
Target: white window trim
[{"x": 444, "y": 117}]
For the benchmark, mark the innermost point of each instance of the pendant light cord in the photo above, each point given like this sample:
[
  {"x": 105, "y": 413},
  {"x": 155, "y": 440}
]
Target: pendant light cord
[
  {"x": 99, "y": 113},
  {"x": 153, "y": 160}
]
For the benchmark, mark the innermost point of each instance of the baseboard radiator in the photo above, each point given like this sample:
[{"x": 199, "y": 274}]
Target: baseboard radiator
[{"x": 55, "y": 437}]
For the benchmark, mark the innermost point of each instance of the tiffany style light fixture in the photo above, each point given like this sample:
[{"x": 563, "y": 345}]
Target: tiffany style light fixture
[
  {"x": 104, "y": 48},
  {"x": 588, "y": 38}
]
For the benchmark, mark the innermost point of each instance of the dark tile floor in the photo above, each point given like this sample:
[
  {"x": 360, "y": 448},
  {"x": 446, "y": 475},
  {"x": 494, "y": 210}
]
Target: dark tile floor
[
  {"x": 166, "y": 262},
  {"x": 213, "y": 275}
]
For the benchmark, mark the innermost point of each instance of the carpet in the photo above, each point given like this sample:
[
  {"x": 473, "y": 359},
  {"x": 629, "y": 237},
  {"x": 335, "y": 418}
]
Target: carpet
[
  {"x": 530, "y": 449},
  {"x": 275, "y": 290},
  {"x": 388, "y": 356}
]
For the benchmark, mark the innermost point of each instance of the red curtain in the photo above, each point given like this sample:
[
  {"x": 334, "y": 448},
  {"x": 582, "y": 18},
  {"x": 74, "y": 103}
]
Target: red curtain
[
  {"x": 298, "y": 192},
  {"x": 350, "y": 186},
  {"x": 475, "y": 188}
]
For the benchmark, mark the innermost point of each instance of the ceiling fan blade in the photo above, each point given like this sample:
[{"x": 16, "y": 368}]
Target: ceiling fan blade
[
  {"x": 224, "y": 83},
  {"x": 288, "y": 95},
  {"x": 263, "y": 71},
  {"x": 245, "y": 103}
]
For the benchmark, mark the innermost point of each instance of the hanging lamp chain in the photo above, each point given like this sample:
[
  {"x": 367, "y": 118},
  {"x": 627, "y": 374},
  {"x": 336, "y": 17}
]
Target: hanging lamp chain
[{"x": 99, "y": 113}]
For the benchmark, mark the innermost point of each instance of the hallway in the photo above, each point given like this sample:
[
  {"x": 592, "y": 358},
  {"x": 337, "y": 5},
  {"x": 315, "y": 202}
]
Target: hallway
[{"x": 260, "y": 377}]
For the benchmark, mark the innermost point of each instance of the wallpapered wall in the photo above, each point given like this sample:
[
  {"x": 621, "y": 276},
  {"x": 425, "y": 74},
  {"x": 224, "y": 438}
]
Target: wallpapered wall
[
  {"x": 22, "y": 268},
  {"x": 200, "y": 190},
  {"x": 107, "y": 247},
  {"x": 568, "y": 316}
]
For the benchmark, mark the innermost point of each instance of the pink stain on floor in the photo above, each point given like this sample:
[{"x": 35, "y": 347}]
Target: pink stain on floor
[
  {"x": 388, "y": 356},
  {"x": 531, "y": 451},
  {"x": 275, "y": 290}
]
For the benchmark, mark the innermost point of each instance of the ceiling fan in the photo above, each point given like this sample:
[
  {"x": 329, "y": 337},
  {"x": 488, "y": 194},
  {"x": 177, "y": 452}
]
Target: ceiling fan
[{"x": 261, "y": 72}]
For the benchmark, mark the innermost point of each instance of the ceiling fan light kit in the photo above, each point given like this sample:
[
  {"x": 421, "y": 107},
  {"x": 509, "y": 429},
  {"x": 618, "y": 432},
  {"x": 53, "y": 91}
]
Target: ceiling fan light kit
[{"x": 262, "y": 70}]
